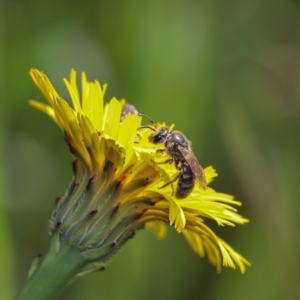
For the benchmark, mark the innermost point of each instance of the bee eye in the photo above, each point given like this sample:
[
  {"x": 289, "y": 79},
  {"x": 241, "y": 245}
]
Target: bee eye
[
  {"x": 157, "y": 139},
  {"x": 161, "y": 138}
]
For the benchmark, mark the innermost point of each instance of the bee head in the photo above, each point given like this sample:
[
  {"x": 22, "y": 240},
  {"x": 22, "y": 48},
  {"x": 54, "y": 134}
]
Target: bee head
[{"x": 159, "y": 136}]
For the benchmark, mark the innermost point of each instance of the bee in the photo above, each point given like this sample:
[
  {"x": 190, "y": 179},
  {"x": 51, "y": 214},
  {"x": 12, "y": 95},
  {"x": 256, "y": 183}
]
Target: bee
[
  {"x": 179, "y": 149},
  {"x": 128, "y": 109}
]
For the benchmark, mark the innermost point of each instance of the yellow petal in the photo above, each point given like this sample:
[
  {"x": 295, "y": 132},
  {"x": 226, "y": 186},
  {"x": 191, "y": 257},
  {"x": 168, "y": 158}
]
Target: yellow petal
[{"x": 157, "y": 227}]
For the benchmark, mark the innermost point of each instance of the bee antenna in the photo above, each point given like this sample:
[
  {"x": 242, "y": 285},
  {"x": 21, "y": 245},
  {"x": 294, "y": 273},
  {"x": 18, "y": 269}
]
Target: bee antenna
[
  {"x": 146, "y": 126},
  {"x": 147, "y": 117}
]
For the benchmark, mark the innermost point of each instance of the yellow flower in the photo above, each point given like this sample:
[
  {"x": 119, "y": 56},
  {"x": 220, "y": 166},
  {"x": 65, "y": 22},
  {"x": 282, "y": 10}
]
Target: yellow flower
[{"x": 116, "y": 186}]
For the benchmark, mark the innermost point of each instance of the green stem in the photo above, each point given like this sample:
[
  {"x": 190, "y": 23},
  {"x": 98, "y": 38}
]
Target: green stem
[{"x": 53, "y": 274}]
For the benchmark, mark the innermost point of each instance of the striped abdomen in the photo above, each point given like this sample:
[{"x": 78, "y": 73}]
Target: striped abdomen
[{"x": 186, "y": 181}]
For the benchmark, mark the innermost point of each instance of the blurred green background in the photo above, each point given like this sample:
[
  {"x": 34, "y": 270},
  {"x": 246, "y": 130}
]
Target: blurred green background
[{"x": 227, "y": 73}]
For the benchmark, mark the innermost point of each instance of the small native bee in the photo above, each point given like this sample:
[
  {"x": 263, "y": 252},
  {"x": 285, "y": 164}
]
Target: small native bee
[
  {"x": 128, "y": 109},
  {"x": 180, "y": 151}
]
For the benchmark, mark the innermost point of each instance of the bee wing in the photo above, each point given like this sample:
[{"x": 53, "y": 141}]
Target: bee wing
[{"x": 192, "y": 161}]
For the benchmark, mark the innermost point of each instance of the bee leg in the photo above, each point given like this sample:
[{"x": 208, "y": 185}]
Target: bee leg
[
  {"x": 175, "y": 178},
  {"x": 168, "y": 161},
  {"x": 160, "y": 151},
  {"x": 177, "y": 165},
  {"x": 173, "y": 190}
]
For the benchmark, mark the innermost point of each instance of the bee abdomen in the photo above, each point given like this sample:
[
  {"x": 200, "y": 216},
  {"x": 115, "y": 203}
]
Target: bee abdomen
[{"x": 186, "y": 182}]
